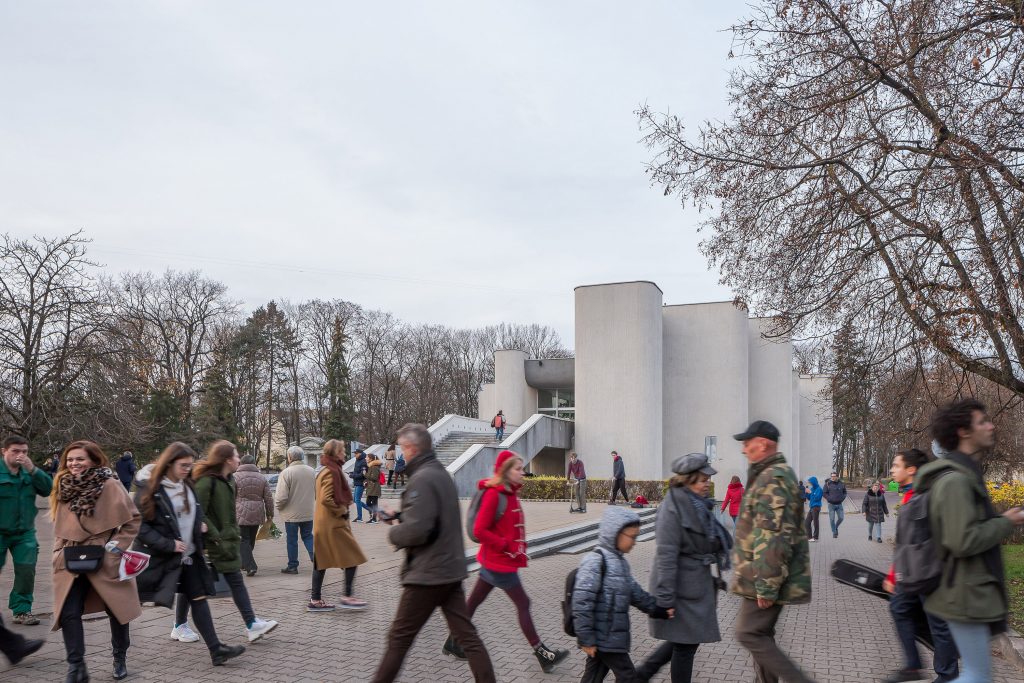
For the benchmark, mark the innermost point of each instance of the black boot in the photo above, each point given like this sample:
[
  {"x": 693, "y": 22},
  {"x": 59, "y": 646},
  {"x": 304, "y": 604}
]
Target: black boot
[
  {"x": 27, "y": 648},
  {"x": 223, "y": 653},
  {"x": 453, "y": 649},
  {"x": 548, "y": 658},
  {"x": 77, "y": 673},
  {"x": 120, "y": 667}
]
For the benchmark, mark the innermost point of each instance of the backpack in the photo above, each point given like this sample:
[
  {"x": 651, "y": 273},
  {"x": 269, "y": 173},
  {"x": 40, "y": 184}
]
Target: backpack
[
  {"x": 498, "y": 422},
  {"x": 474, "y": 509},
  {"x": 568, "y": 623},
  {"x": 918, "y": 559}
]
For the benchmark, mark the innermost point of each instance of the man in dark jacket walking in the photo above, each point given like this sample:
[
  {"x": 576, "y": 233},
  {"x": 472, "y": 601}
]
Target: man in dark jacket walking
[
  {"x": 618, "y": 478},
  {"x": 429, "y": 529},
  {"x": 971, "y": 596},
  {"x": 835, "y": 494},
  {"x": 359, "y": 482},
  {"x": 126, "y": 469}
]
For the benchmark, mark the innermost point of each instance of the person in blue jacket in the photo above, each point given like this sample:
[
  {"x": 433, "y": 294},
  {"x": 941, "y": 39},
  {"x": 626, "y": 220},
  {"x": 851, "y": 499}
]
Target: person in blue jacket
[{"x": 814, "y": 496}]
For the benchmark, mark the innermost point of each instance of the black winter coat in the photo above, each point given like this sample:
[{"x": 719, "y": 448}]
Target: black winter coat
[
  {"x": 359, "y": 471},
  {"x": 874, "y": 507},
  {"x": 159, "y": 582}
]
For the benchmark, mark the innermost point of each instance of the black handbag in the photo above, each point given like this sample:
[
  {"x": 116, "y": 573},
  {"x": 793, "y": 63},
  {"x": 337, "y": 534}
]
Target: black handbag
[{"x": 83, "y": 559}]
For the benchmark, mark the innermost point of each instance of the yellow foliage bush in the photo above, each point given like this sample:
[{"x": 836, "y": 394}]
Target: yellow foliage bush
[{"x": 1006, "y": 495}]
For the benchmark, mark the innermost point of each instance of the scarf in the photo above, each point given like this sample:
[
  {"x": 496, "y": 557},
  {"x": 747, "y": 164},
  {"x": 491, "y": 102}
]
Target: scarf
[
  {"x": 714, "y": 530},
  {"x": 80, "y": 493},
  {"x": 342, "y": 492}
]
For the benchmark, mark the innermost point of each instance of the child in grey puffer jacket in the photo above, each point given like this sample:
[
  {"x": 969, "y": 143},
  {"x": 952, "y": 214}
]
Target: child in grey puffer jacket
[{"x": 605, "y": 589}]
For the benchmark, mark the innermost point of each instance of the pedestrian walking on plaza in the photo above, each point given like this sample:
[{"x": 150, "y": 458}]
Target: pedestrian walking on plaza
[
  {"x": 125, "y": 467},
  {"x": 499, "y": 423},
  {"x": 429, "y": 529},
  {"x": 254, "y": 505},
  {"x": 92, "y": 513},
  {"x": 690, "y": 541},
  {"x": 618, "y": 478},
  {"x": 971, "y": 596},
  {"x": 389, "y": 464},
  {"x": 20, "y": 482},
  {"x": 53, "y": 464},
  {"x": 733, "y": 498},
  {"x": 215, "y": 489},
  {"x": 359, "y": 481},
  {"x": 814, "y": 495},
  {"x": 373, "y": 487},
  {"x": 500, "y": 527},
  {"x": 400, "y": 466},
  {"x": 835, "y": 493},
  {"x": 293, "y": 497},
  {"x": 172, "y": 534},
  {"x": 875, "y": 510},
  {"x": 16, "y": 646},
  {"x": 604, "y": 591},
  {"x": 334, "y": 546},
  {"x": 578, "y": 473},
  {"x": 907, "y": 610},
  {"x": 771, "y": 558}
]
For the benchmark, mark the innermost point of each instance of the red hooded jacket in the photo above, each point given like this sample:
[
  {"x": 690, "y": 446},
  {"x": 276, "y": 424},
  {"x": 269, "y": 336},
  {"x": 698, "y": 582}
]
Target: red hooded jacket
[
  {"x": 502, "y": 542},
  {"x": 733, "y": 497}
]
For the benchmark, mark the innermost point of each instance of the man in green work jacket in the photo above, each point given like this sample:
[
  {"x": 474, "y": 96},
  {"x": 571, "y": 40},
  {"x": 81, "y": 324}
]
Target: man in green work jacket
[{"x": 20, "y": 482}]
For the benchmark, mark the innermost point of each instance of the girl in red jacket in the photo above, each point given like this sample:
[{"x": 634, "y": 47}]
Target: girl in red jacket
[
  {"x": 733, "y": 496},
  {"x": 503, "y": 552}
]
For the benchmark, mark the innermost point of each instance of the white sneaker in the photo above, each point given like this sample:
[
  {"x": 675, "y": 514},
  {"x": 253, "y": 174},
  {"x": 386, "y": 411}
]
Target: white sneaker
[
  {"x": 260, "y": 628},
  {"x": 184, "y": 634}
]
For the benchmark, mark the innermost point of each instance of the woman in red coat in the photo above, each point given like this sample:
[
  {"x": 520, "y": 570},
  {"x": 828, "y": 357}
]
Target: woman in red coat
[
  {"x": 733, "y": 497},
  {"x": 503, "y": 552}
]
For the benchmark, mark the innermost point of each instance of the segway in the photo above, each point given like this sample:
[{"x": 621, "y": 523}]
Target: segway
[{"x": 870, "y": 580}]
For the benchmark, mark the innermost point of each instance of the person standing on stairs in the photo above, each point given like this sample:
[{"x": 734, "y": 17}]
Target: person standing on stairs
[
  {"x": 389, "y": 463},
  {"x": 499, "y": 426},
  {"x": 503, "y": 552},
  {"x": 399, "y": 471}
]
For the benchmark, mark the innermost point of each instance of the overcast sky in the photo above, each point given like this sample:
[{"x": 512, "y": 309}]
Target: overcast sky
[{"x": 464, "y": 163}]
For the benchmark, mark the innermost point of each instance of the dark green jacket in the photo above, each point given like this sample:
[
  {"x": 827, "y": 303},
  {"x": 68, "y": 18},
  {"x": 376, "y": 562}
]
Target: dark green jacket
[
  {"x": 18, "y": 498},
  {"x": 973, "y": 588},
  {"x": 222, "y": 538}
]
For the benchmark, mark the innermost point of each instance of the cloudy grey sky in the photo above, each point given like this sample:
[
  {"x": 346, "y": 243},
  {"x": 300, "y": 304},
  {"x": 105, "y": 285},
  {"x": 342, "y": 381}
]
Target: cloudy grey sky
[{"x": 458, "y": 162}]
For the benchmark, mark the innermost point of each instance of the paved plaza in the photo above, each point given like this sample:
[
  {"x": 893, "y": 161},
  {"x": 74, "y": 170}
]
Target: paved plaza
[{"x": 844, "y": 635}]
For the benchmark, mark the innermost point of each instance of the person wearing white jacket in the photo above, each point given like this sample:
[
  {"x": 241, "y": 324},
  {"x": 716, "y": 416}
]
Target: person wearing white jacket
[{"x": 294, "y": 498}]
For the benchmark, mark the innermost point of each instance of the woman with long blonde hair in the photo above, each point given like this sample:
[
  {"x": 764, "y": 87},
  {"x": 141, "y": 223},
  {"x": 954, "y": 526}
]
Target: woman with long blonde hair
[
  {"x": 91, "y": 508},
  {"x": 334, "y": 545},
  {"x": 500, "y": 527}
]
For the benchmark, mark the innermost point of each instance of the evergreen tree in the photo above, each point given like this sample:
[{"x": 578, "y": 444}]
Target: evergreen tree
[{"x": 340, "y": 422}]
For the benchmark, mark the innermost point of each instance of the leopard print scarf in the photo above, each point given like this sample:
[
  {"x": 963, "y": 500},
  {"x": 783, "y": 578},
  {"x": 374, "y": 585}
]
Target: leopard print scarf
[{"x": 81, "y": 493}]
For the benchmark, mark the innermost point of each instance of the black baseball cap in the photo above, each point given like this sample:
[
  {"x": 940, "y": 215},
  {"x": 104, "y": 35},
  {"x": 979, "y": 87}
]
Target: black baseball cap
[{"x": 761, "y": 428}]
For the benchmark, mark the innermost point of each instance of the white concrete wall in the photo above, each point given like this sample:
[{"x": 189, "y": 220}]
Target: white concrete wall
[
  {"x": 815, "y": 426},
  {"x": 770, "y": 393},
  {"x": 705, "y": 385},
  {"x": 619, "y": 378},
  {"x": 796, "y": 447},
  {"x": 512, "y": 394},
  {"x": 485, "y": 402}
]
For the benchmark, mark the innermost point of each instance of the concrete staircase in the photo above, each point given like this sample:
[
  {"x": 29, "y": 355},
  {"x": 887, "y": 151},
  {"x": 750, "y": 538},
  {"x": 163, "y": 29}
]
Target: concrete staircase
[
  {"x": 454, "y": 445},
  {"x": 572, "y": 539}
]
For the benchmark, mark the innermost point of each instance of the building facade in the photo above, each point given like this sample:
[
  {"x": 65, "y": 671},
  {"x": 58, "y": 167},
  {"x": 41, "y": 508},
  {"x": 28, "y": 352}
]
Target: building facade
[{"x": 653, "y": 381}]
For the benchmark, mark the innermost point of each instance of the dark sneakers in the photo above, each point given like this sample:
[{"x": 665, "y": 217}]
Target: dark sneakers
[
  {"x": 225, "y": 652},
  {"x": 452, "y": 649},
  {"x": 549, "y": 658},
  {"x": 905, "y": 675},
  {"x": 290, "y": 570}
]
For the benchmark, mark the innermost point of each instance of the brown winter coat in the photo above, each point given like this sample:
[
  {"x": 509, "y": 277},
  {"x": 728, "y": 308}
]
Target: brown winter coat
[
  {"x": 334, "y": 546},
  {"x": 373, "y": 477},
  {"x": 253, "y": 502},
  {"x": 115, "y": 512}
]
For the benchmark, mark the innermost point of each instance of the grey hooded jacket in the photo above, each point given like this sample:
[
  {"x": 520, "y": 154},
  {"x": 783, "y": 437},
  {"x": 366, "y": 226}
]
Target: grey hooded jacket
[{"x": 601, "y": 608}]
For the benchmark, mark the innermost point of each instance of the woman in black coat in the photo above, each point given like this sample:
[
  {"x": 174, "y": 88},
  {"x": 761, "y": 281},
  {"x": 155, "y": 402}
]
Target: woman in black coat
[
  {"x": 875, "y": 510},
  {"x": 172, "y": 534}
]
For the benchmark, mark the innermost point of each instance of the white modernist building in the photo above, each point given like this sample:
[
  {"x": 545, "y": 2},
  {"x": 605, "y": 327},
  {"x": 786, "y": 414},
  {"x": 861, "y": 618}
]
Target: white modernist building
[{"x": 653, "y": 381}]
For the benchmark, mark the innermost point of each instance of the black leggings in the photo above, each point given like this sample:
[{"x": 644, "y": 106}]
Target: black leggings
[
  {"x": 812, "y": 522},
  {"x": 239, "y": 594},
  {"x": 71, "y": 624},
  {"x": 318, "y": 581}
]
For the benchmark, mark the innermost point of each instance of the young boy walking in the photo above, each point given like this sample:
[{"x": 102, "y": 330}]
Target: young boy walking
[{"x": 605, "y": 589}]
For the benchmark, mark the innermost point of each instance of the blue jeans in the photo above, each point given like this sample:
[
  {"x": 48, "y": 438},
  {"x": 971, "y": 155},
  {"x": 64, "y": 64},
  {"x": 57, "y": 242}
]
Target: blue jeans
[
  {"x": 871, "y": 530},
  {"x": 499, "y": 434},
  {"x": 292, "y": 530},
  {"x": 835, "y": 510},
  {"x": 357, "y": 496},
  {"x": 907, "y": 616},
  {"x": 973, "y": 641}
]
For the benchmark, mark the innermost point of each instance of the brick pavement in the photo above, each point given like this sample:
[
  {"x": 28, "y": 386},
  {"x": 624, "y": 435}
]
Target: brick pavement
[{"x": 843, "y": 636}]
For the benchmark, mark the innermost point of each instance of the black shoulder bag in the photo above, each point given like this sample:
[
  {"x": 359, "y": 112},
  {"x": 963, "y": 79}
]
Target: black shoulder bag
[{"x": 85, "y": 559}]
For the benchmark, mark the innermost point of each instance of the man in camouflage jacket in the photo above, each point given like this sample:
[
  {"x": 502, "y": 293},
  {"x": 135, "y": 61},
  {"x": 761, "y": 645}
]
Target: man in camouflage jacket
[{"x": 771, "y": 555}]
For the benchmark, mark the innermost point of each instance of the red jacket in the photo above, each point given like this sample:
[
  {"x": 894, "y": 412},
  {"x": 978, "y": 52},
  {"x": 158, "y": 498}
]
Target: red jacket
[
  {"x": 733, "y": 497},
  {"x": 892, "y": 568},
  {"x": 502, "y": 543}
]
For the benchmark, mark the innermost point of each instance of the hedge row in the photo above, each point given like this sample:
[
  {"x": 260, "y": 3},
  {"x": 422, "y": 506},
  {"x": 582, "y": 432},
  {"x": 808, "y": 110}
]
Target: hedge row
[{"x": 555, "y": 488}]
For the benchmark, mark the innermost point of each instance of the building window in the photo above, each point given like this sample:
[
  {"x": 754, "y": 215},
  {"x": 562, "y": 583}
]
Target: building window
[{"x": 557, "y": 403}]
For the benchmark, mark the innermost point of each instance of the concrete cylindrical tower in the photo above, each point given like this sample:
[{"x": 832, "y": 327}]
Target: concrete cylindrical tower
[
  {"x": 771, "y": 384},
  {"x": 512, "y": 394},
  {"x": 486, "y": 406},
  {"x": 619, "y": 378}
]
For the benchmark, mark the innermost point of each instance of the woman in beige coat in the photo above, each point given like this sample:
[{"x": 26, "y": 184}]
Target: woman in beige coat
[
  {"x": 90, "y": 507},
  {"x": 333, "y": 542}
]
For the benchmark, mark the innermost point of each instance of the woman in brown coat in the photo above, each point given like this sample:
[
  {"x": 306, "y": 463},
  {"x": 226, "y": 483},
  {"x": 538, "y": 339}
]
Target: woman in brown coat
[
  {"x": 372, "y": 487},
  {"x": 333, "y": 542},
  {"x": 90, "y": 507}
]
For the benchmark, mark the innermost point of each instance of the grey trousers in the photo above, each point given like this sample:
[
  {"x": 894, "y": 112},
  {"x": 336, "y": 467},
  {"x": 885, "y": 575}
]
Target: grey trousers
[
  {"x": 755, "y": 630},
  {"x": 581, "y": 494}
]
